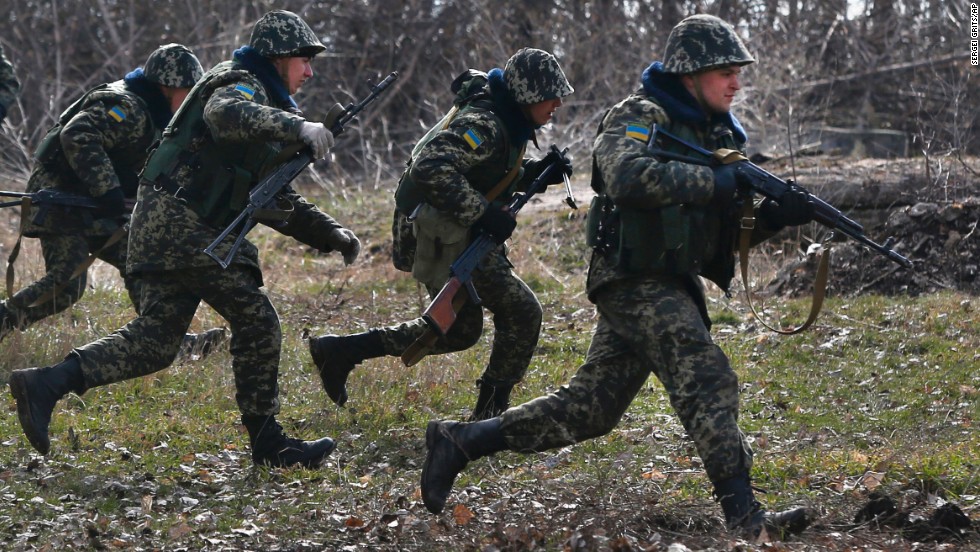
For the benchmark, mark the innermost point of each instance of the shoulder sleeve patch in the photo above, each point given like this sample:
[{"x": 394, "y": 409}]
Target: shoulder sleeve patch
[
  {"x": 117, "y": 113},
  {"x": 245, "y": 91},
  {"x": 472, "y": 138},
  {"x": 638, "y": 132}
]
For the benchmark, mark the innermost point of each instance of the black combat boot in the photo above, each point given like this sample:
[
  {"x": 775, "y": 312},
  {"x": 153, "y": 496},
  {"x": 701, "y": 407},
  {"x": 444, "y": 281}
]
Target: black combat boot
[
  {"x": 744, "y": 515},
  {"x": 37, "y": 390},
  {"x": 336, "y": 355},
  {"x": 198, "y": 346},
  {"x": 271, "y": 447},
  {"x": 451, "y": 445},
  {"x": 493, "y": 400}
]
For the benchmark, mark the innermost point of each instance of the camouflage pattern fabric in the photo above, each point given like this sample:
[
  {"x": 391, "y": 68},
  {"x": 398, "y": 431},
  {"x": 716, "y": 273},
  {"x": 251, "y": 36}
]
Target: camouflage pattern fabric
[
  {"x": 648, "y": 322},
  {"x": 702, "y": 42},
  {"x": 516, "y": 322},
  {"x": 454, "y": 171},
  {"x": 634, "y": 178},
  {"x": 165, "y": 249},
  {"x": 150, "y": 343},
  {"x": 534, "y": 76},
  {"x": 645, "y": 325},
  {"x": 62, "y": 255},
  {"x": 461, "y": 164},
  {"x": 281, "y": 33},
  {"x": 173, "y": 65},
  {"x": 9, "y": 85},
  {"x": 103, "y": 144},
  {"x": 166, "y": 233}
]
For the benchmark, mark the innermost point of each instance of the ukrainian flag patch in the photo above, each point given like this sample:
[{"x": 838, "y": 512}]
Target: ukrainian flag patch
[
  {"x": 472, "y": 138},
  {"x": 638, "y": 131},
  {"x": 246, "y": 91},
  {"x": 117, "y": 114}
]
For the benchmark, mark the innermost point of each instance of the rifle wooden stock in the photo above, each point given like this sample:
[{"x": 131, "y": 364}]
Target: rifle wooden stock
[
  {"x": 421, "y": 346},
  {"x": 440, "y": 314}
]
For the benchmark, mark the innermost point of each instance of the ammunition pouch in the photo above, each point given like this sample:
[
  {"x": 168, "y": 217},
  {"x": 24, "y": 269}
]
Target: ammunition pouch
[
  {"x": 676, "y": 239},
  {"x": 403, "y": 243},
  {"x": 439, "y": 241}
]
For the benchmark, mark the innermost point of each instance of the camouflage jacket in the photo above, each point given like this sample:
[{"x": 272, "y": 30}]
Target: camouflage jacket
[
  {"x": 636, "y": 180},
  {"x": 9, "y": 85},
  {"x": 463, "y": 162},
  {"x": 102, "y": 147},
  {"x": 165, "y": 232}
]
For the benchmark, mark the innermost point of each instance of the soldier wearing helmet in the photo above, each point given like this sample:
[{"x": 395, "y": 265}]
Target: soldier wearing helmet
[
  {"x": 655, "y": 227},
  {"x": 460, "y": 175},
  {"x": 225, "y": 137},
  {"x": 97, "y": 149}
]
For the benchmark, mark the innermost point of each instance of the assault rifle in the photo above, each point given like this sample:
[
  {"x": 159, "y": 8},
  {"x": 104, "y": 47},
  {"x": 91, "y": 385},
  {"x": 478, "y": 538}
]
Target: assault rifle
[
  {"x": 47, "y": 198},
  {"x": 440, "y": 315},
  {"x": 263, "y": 195},
  {"x": 770, "y": 186}
]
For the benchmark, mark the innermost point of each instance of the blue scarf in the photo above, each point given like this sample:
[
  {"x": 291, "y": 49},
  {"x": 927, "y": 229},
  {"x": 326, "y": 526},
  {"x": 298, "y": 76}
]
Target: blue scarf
[
  {"x": 262, "y": 68},
  {"x": 680, "y": 105},
  {"x": 518, "y": 127},
  {"x": 156, "y": 102}
]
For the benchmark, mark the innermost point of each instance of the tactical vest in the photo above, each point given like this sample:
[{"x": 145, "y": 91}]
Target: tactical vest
[
  {"x": 50, "y": 153},
  {"x": 221, "y": 175},
  {"x": 471, "y": 94},
  {"x": 676, "y": 239}
]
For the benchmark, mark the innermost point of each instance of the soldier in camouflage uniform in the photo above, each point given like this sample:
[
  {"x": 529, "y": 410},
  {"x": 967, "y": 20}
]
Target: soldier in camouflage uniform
[
  {"x": 452, "y": 171},
  {"x": 227, "y": 134},
  {"x": 650, "y": 301},
  {"x": 9, "y": 85},
  {"x": 96, "y": 150}
]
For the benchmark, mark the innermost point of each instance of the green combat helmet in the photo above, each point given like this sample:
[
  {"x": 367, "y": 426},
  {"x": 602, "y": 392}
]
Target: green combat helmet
[
  {"x": 173, "y": 65},
  {"x": 703, "y": 42},
  {"x": 534, "y": 76},
  {"x": 281, "y": 33}
]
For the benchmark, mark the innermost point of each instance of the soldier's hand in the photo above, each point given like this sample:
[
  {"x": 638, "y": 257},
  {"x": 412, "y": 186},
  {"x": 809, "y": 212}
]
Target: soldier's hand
[
  {"x": 793, "y": 208},
  {"x": 727, "y": 180},
  {"x": 318, "y": 137},
  {"x": 344, "y": 241},
  {"x": 563, "y": 167},
  {"x": 112, "y": 204},
  {"x": 497, "y": 223}
]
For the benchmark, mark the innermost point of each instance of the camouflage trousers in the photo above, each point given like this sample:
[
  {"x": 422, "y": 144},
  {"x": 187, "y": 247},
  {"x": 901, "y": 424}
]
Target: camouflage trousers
[
  {"x": 169, "y": 300},
  {"x": 644, "y": 326},
  {"x": 516, "y": 323},
  {"x": 62, "y": 255}
]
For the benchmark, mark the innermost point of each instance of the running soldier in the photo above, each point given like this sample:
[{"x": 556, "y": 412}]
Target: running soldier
[
  {"x": 650, "y": 300},
  {"x": 460, "y": 175}
]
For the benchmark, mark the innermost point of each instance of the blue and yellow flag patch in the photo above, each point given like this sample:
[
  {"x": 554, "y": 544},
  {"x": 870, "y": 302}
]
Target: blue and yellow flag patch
[
  {"x": 117, "y": 114},
  {"x": 472, "y": 138},
  {"x": 638, "y": 131},
  {"x": 245, "y": 91}
]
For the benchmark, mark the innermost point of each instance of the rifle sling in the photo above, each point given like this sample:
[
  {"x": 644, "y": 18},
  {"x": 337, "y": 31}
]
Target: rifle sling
[
  {"x": 819, "y": 284},
  {"x": 25, "y": 210},
  {"x": 417, "y": 350}
]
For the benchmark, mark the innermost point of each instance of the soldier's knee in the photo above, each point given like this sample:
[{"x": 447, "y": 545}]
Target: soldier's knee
[{"x": 467, "y": 336}]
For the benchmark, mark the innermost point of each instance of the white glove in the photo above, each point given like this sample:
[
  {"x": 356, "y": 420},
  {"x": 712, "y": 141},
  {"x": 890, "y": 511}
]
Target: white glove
[
  {"x": 343, "y": 240},
  {"x": 318, "y": 137}
]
